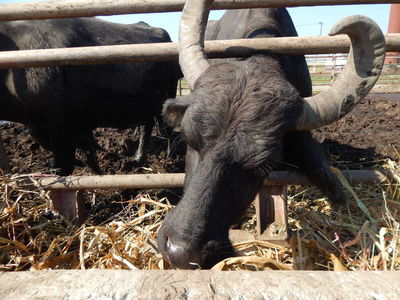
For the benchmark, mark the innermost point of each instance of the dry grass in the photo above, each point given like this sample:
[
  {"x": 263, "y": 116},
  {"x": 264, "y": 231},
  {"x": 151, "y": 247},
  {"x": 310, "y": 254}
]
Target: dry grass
[{"x": 363, "y": 236}]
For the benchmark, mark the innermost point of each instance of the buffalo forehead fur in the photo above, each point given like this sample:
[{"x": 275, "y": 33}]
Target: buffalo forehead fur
[{"x": 239, "y": 110}]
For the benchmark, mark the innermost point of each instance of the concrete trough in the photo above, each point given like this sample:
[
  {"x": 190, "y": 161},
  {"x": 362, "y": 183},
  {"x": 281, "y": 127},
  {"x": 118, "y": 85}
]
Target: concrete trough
[{"x": 121, "y": 284}]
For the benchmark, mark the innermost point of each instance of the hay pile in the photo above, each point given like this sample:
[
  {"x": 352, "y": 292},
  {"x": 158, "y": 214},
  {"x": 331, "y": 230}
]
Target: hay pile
[{"x": 364, "y": 236}]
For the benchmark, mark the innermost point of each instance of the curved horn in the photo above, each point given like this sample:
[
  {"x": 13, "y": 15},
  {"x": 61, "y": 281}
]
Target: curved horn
[
  {"x": 362, "y": 70},
  {"x": 192, "y": 26}
]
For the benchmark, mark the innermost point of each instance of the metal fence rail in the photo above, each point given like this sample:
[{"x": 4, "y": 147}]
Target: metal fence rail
[
  {"x": 148, "y": 181},
  {"x": 169, "y": 51},
  {"x": 85, "y": 8},
  {"x": 67, "y": 192}
]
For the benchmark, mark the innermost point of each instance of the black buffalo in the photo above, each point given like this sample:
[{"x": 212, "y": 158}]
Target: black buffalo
[
  {"x": 62, "y": 105},
  {"x": 246, "y": 118}
]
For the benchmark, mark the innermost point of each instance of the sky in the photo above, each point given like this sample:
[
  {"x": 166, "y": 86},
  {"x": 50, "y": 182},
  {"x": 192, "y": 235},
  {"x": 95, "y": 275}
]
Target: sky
[{"x": 309, "y": 21}]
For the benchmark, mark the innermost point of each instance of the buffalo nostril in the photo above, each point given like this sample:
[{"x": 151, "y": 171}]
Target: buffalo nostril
[
  {"x": 183, "y": 258},
  {"x": 172, "y": 247}
]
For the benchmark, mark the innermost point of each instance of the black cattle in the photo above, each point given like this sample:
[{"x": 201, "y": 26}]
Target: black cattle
[
  {"x": 62, "y": 105},
  {"x": 246, "y": 118}
]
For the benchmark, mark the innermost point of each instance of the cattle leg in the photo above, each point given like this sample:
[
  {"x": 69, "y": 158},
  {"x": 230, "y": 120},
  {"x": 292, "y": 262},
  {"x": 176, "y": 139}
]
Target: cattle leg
[
  {"x": 63, "y": 158},
  {"x": 93, "y": 143},
  {"x": 145, "y": 134},
  {"x": 302, "y": 151},
  {"x": 4, "y": 162},
  {"x": 89, "y": 145},
  {"x": 61, "y": 142},
  {"x": 163, "y": 129}
]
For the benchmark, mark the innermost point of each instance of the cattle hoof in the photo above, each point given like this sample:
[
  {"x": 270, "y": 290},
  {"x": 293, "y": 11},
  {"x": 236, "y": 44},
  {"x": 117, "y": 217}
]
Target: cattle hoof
[{"x": 139, "y": 159}]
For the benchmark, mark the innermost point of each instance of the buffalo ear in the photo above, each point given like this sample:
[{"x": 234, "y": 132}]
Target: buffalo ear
[{"x": 174, "y": 110}]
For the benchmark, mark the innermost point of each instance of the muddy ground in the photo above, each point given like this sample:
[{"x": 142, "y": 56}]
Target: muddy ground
[
  {"x": 369, "y": 133},
  {"x": 364, "y": 138}
]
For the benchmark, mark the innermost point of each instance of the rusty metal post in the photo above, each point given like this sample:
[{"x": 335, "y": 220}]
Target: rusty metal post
[
  {"x": 80, "y": 205},
  {"x": 271, "y": 210},
  {"x": 393, "y": 27},
  {"x": 70, "y": 204}
]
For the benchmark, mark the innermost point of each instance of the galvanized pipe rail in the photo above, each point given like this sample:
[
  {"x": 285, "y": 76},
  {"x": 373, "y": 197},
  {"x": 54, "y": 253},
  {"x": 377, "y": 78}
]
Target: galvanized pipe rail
[
  {"x": 169, "y": 51},
  {"x": 148, "y": 181},
  {"x": 86, "y": 8},
  {"x": 67, "y": 193}
]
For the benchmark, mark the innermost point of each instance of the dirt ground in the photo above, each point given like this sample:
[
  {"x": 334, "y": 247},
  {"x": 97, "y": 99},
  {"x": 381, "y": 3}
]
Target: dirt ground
[
  {"x": 364, "y": 138},
  {"x": 369, "y": 133}
]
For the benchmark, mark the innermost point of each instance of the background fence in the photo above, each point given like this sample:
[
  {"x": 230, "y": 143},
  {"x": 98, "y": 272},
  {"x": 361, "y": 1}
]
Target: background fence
[{"x": 325, "y": 69}]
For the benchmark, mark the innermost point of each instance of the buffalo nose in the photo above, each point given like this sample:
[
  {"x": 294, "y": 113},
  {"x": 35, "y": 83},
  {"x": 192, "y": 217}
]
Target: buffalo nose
[{"x": 183, "y": 257}]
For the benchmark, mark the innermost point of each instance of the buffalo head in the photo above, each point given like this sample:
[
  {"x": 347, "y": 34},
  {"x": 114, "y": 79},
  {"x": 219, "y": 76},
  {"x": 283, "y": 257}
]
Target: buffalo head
[{"x": 242, "y": 121}]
